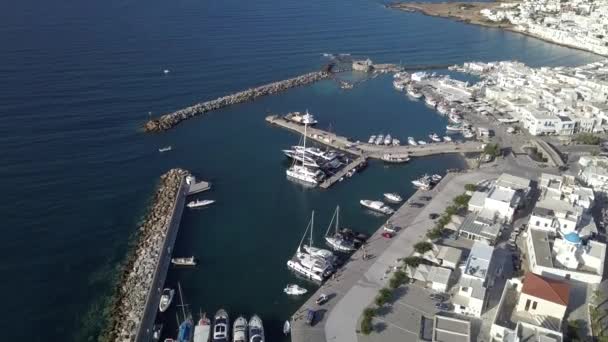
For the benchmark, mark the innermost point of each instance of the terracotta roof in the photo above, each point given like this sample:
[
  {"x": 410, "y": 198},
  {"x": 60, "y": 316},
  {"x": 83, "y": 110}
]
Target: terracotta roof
[{"x": 545, "y": 288}]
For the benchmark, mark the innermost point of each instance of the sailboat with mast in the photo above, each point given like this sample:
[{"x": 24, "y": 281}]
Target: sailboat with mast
[
  {"x": 301, "y": 172},
  {"x": 336, "y": 241},
  {"x": 309, "y": 263},
  {"x": 186, "y": 330}
]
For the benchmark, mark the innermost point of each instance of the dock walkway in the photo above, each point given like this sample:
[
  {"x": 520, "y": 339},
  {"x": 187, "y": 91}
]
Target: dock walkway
[
  {"x": 375, "y": 151},
  {"x": 353, "y": 165}
]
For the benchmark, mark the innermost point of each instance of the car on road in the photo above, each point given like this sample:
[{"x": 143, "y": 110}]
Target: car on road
[
  {"x": 442, "y": 306},
  {"x": 416, "y": 205},
  {"x": 387, "y": 235},
  {"x": 438, "y": 297},
  {"x": 389, "y": 227},
  {"x": 310, "y": 317},
  {"x": 426, "y": 198},
  {"x": 433, "y": 216}
]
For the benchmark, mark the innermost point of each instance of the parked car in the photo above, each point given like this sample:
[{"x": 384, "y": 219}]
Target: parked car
[
  {"x": 438, "y": 297},
  {"x": 426, "y": 198},
  {"x": 387, "y": 235},
  {"x": 389, "y": 227},
  {"x": 310, "y": 317},
  {"x": 433, "y": 216},
  {"x": 416, "y": 205},
  {"x": 442, "y": 306}
]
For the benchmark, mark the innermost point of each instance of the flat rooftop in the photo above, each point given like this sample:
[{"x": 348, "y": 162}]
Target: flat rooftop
[
  {"x": 479, "y": 259},
  {"x": 541, "y": 246},
  {"x": 448, "y": 329}
]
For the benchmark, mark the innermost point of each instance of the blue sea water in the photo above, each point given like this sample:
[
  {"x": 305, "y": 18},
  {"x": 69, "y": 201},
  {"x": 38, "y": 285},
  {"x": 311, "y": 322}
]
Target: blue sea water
[{"x": 79, "y": 79}]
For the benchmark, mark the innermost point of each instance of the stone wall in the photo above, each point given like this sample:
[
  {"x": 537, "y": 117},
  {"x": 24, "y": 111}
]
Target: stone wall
[{"x": 168, "y": 121}]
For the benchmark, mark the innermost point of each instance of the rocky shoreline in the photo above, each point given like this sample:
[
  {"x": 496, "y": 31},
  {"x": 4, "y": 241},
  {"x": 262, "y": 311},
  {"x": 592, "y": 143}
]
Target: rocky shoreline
[
  {"x": 170, "y": 120},
  {"x": 127, "y": 306}
]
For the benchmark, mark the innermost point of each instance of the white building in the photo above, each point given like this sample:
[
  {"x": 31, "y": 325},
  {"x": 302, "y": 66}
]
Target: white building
[
  {"x": 529, "y": 309},
  {"x": 436, "y": 278},
  {"x": 502, "y": 199},
  {"x": 475, "y": 279},
  {"x": 594, "y": 172},
  {"x": 565, "y": 256}
]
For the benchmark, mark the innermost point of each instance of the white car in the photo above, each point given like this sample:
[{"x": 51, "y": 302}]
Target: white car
[{"x": 390, "y": 228}]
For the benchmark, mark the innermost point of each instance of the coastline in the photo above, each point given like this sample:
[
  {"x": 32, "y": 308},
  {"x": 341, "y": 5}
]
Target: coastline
[{"x": 470, "y": 15}]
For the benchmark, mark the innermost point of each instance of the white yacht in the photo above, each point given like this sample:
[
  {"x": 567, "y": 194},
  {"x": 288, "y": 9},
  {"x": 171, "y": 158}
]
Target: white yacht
[
  {"x": 372, "y": 139},
  {"x": 411, "y": 141},
  {"x": 301, "y": 157},
  {"x": 294, "y": 290},
  {"x": 378, "y": 206},
  {"x": 302, "y": 172},
  {"x": 165, "y": 299},
  {"x": 436, "y": 178},
  {"x": 422, "y": 142},
  {"x": 239, "y": 330},
  {"x": 336, "y": 241},
  {"x": 317, "y": 152},
  {"x": 423, "y": 182},
  {"x": 434, "y": 137},
  {"x": 455, "y": 118},
  {"x": 396, "y": 142},
  {"x": 221, "y": 326},
  {"x": 393, "y": 197},
  {"x": 453, "y": 128},
  {"x": 388, "y": 139},
  {"x": 305, "y": 119},
  {"x": 391, "y": 158},
  {"x": 256, "y": 329},
  {"x": 379, "y": 139},
  {"x": 447, "y": 139},
  {"x": 308, "y": 263},
  {"x": 199, "y": 203},
  {"x": 467, "y": 133}
]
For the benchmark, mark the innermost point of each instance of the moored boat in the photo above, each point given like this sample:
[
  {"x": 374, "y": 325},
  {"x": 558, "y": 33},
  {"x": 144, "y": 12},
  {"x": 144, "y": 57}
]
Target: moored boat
[
  {"x": 239, "y": 330},
  {"x": 388, "y": 139},
  {"x": 453, "y": 128},
  {"x": 422, "y": 142},
  {"x": 199, "y": 203},
  {"x": 390, "y": 158},
  {"x": 411, "y": 141},
  {"x": 256, "y": 329},
  {"x": 423, "y": 182},
  {"x": 336, "y": 241},
  {"x": 221, "y": 326},
  {"x": 447, "y": 139},
  {"x": 308, "y": 262},
  {"x": 378, "y": 206},
  {"x": 286, "y": 328},
  {"x": 393, "y": 197},
  {"x": 202, "y": 329},
  {"x": 467, "y": 133},
  {"x": 190, "y": 261},
  {"x": 185, "y": 330},
  {"x": 372, "y": 138},
  {"x": 165, "y": 299},
  {"x": 396, "y": 142},
  {"x": 165, "y": 149},
  {"x": 379, "y": 139},
  {"x": 294, "y": 290},
  {"x": 434, "y": 137}
]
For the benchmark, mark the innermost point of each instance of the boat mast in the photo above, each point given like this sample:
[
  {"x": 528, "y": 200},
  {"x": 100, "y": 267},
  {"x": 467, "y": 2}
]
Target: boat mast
[
  {"x": 330, "y": 224},
  {"x": 312, "y": 224},
  {"x": 337, "y": 218},
  {"x": 304, "y": 235},
  {"x": 181, "y": 299},
  {"x": 304, "y": 148}
]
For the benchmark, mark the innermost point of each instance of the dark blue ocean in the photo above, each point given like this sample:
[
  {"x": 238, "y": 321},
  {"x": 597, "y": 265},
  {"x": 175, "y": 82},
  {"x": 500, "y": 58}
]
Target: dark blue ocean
[{"x": 80, "y": 77}]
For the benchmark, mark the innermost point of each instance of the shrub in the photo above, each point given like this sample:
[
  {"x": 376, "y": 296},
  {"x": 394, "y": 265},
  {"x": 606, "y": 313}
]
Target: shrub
[
  {"x": 383, "y": 296},
  {"x": 462, "y": 200},
  {"x": 423, "y": 247},
  {"x": 434, "y": 233},
  {"x": 587, "y": 139},
  {"x": 369, "y": 312},
  {"x": 492, "y": 150},
  {"x": 470, "y": 187},
  {"x": 399, "y": 278}
]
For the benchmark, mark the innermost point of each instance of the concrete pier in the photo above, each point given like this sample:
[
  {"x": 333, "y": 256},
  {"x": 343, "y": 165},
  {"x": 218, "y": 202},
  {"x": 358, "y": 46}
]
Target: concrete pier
[
  {"x": 170, "y": 120},
  {"x": 353, "y": 165},
  {"x": 195, "y": 187},
  {"x": 135, "y": 303},
  {"x": 374, "y": 151}
]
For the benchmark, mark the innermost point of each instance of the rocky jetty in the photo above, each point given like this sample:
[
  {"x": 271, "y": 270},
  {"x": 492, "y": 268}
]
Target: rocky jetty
[
  {"x": 129, "y": 301},
  {"x": 167, "y": 121}
]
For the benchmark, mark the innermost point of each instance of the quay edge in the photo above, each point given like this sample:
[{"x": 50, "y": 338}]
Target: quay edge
[{"x": 133, "y": 308}]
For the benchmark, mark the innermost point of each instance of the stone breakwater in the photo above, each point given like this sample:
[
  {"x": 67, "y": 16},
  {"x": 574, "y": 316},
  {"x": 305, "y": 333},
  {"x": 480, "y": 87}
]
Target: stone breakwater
[
  {"x": 170, "y": 120},
  {"x": 138, "y": 273}
]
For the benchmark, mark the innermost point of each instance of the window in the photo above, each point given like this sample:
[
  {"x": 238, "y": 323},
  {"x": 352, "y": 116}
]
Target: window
[
  {"x": 534, "y": 305},
  {"x": 546, "y": 224},
  {"x": 527, "y": 305},
  {"x": 537, "y": 223},
  {"x": 464, "y": 289}
]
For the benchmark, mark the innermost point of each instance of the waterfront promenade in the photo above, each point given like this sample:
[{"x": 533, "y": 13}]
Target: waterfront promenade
[
  {"x": 358, "y": 282},
  {"x": 374, "y": 151}
]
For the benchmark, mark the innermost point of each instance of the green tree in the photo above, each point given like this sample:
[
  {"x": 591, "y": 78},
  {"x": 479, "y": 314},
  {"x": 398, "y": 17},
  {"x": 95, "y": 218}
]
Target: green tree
[
  {"x": 369, "y": 312},
  {"x": 399, "y": 278},
  {"x": 412, "y": 261},
  {"x": 492, "y": 149},
  {"x": 423, "y": 247},
  {"x": 587, "y": 139},
  {"x": 366, "y": 325},
  {"x": 383, "y": 296},
  {"x": 451, "y": 210},
  {"x": 470, "y": 187},
  {"x": 434, "y": 233},
  {"x": 462, "y": 200}
]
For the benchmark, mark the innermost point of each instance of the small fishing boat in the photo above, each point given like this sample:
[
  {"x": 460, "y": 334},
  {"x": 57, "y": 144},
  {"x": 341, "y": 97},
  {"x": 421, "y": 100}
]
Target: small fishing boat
[
  {"x": 379, "y": 139},
  {"x": 202, "y": 330},
  {"x": 422, "y": 142},
  {"x": 286, "y": 328},
  {"x": 453, "y": 128},
  {"x": 165, "y": 299},
  {"x": 388, "y": 139},
  {"x": 468, "y": 134},
  {"x": 294, "y": 290},
  {"x": 199, "y": 203},
  {"x": 390, "y": 158},
  {"x": 378, "y": 206},
  {"x": 190, "y": 261},
  {"x": 166, "y": 71},
  {"x": 221, "y": 324},
  {"x": 371, "y": 139},
  {"x": 393, "y": 197},
  {"x": 447, "y": 139},
  {"x": 411, "y": 141},
  {"x": 165, "y": 149},
  {"x": 423, "y": 182},
  {"x": 434, "y": 137},
  {"x": 436, "y": 178},
  {"x": 396, "y": 142},
  {"x": 157, "y": 331}
]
